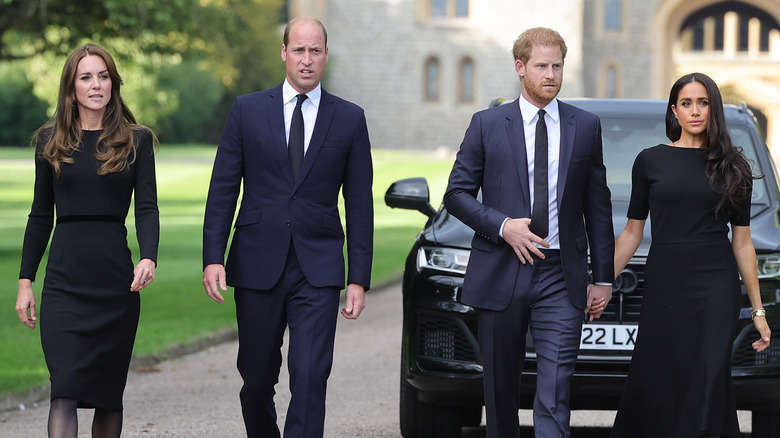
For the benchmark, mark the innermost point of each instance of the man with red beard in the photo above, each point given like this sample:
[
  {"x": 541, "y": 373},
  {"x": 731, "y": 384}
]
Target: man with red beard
[{"x": 539, "y": 165}]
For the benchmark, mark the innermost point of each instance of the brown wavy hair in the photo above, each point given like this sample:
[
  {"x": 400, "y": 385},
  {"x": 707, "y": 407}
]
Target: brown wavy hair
[
  {"x": 727, "y": 168},
  {"x": 61, "y": 135}
]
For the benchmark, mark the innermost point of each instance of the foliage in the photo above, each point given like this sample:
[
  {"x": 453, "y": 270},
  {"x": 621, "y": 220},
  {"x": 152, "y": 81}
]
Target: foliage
[
  {"x": 182, "y": 61},
  {"x": 21, "y": 112}
]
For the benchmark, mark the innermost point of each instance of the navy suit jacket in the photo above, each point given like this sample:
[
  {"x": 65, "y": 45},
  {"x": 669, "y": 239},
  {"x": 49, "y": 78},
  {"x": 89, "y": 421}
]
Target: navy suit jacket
[
  {"x": 275, "y": 207},
  {"x": 493, "y": 158}
]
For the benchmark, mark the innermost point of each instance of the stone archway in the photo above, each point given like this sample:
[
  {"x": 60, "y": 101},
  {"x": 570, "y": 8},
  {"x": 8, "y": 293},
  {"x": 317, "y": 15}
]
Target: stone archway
[{"x": 755, "y": 79}]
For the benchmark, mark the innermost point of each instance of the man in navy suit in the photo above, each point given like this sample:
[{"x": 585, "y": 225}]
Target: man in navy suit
[
  {"x": 528, "y": 265},
  {"x": 286, "y": 259}
]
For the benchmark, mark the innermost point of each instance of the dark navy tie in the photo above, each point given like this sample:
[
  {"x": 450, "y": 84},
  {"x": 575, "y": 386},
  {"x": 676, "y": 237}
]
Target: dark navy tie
[
  {"x": 539, "y": 214},
  {"x": 295, "y": 143}
]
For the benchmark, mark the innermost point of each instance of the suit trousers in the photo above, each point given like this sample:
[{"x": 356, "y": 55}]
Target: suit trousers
[
  {"x": 555, "y": 326},
  {"x": 309, "y": 313}
]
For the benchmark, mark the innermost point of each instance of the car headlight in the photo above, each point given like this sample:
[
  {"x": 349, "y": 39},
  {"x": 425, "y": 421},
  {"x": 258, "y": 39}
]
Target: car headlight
[
  {"x": 768, "y": 265},
  {"x": 443, "y": 259}
]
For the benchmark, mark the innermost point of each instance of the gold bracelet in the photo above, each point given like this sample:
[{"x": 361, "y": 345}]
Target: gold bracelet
[{"x": 758, "y": 312}]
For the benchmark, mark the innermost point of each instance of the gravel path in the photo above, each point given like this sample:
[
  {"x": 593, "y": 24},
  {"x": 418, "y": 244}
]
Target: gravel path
[{"x": 197, "y": 395}]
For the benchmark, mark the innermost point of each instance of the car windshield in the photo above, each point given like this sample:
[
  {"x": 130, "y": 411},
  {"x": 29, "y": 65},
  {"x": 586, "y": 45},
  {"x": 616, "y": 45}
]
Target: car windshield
[{"x": 624, "y": 138}]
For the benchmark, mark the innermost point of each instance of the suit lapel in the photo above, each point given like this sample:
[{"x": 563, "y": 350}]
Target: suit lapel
[
  {"x": 276, "y": 121},
  {"x": 516, "y": 134},
  {"x": 321, "y": 126},
  {"x": 568, "y": 132}
]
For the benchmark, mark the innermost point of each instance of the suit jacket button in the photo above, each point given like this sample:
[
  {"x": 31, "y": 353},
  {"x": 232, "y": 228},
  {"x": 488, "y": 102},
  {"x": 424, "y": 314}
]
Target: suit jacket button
[{"x": 288, "y": 223}]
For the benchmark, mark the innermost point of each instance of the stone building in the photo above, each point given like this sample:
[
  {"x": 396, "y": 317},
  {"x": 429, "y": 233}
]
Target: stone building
[{"x": 421, "y": 68}]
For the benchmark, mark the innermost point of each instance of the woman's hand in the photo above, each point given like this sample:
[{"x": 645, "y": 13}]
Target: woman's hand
[
  {"x": 766, "y": 334},
  {"x": 143, "y": 275},
  {"x": 25, "y": 303}
]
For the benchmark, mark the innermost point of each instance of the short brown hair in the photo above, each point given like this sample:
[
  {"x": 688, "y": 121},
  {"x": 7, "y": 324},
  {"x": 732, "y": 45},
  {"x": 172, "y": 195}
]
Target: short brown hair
[{"x": 540, "y": 36}]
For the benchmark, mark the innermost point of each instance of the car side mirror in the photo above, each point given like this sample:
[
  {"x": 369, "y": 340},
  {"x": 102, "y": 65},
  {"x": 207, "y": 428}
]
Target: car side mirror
[{"x": 410, "y": 194}]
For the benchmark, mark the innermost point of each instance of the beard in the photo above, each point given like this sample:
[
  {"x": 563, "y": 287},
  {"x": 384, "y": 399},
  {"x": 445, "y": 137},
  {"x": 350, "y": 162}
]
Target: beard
[{"x": 540, "y": 94}]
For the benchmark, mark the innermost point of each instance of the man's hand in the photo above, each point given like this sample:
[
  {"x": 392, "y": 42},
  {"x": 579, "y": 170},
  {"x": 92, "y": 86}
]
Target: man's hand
[
  {"x": 517, "y": 234},
  {"x": 356, "y": 301},
  {"x": 214, "y": 280},
  {"x": 598, "y": 298}
]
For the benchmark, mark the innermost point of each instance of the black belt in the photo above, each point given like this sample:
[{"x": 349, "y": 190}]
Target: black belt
[
  {"x": 550, "y": 252},
  {"x": 89, "y": 218}
]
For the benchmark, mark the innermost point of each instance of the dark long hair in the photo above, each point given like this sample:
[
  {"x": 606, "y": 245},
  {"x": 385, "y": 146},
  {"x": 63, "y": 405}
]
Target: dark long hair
[
  {"x": 727, "y": 168},
  {"x": 62, "y": 134}
]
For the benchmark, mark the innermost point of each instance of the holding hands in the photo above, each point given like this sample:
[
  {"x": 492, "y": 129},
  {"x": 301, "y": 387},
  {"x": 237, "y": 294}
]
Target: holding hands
[{"x": 598, "y": 298}]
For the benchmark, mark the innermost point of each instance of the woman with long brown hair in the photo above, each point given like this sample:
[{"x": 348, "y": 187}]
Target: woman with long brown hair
[
  {"x": 695, "y": 189},
  {"x": 91, "y": 160}
]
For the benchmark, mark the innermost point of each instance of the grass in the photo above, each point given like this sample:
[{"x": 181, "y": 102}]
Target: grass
[{"x": 175, "y": 310}]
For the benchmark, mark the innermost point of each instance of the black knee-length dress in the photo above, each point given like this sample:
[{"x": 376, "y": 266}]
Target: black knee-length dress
[
  {"x": 679, "y": 384},
  {"x": 88, "y": 315}
]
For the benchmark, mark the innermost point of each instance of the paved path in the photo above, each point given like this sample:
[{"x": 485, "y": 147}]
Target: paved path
[{"x": 197, "y": 395}]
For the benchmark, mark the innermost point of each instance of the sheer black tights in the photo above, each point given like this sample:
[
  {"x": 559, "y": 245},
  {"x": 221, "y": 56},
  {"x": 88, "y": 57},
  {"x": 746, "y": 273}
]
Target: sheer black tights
[
  {"x": 63, "y": 420},
  {"x": 107, "y": 424}
]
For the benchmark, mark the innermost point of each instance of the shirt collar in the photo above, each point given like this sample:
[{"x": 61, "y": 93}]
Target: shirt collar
[
  {"x": 529, "y": 110},
  {"x": 289, "y": 93}
]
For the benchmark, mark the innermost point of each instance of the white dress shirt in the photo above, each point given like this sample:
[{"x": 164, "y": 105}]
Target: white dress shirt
[
  {"x": 553, "y": 121},
  {"x": 308, "y": 109}
]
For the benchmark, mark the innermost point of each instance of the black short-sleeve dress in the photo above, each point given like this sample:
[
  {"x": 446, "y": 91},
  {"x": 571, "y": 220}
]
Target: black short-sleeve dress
[
  {"x": 88, "y": 315},
  {"x": 679, "y": 383}
]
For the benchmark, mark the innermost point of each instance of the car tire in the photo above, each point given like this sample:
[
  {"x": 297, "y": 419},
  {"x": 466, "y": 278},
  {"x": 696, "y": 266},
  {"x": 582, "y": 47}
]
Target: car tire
[
  {"x": 766, "y": 424},
  {"x": 424, "y": 420}
]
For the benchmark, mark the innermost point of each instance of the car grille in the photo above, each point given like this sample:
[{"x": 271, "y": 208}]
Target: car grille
[
  {"x": 745, "y": 356},
  {"x": 444, "y": 338},
  {"x": 625, "y": 306}
]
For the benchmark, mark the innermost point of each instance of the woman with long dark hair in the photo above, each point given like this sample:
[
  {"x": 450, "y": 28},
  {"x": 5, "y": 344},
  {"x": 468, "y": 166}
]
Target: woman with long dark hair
[
  {"x": 91, "y": 159},
  {"x": 679, "y": 383}
]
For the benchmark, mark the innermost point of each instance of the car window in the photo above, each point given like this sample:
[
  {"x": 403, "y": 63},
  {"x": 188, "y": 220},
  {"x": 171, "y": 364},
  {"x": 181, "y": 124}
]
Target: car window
[
  {"x": 741, "y": 137},
  {"x": 624, "y": 138}
]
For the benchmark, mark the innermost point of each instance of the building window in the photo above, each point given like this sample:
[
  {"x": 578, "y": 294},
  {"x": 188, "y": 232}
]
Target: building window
[
  {"x": 610, "y": 82},
  {"x": 613, "y": 14},
  {"x": 432, "y": 73},
  {"x": 448, "y": 8},
  {"x": 466, "y": 81}
]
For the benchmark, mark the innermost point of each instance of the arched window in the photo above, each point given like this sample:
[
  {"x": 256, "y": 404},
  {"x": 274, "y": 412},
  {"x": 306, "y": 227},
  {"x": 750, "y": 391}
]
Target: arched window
[
  {"x": 466, "y": 81},
  {"x": 728, "y": 26},
  {"x": 432, "y": 74},
  {"x": 611, "y": 82}
]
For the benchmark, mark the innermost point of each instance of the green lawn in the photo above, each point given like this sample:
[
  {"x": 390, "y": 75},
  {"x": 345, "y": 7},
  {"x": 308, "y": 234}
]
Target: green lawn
[{"x": 175, "y": 310}]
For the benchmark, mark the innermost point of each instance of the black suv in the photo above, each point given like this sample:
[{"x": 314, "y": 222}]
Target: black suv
[{"x": 441, "y": 371}]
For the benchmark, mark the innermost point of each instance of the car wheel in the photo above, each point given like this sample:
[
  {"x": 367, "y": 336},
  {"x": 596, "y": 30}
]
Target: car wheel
[
  {"x": 766, "y": 424},
  {"x": 471, "y": 416},
  {"x": 424, "y": 420}
]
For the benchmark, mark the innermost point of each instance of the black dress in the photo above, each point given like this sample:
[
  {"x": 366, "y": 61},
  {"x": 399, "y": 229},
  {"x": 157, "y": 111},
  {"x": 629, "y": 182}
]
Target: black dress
[
  {"x": 88, "y": 315},
  {"x": 679, "y": 383}
]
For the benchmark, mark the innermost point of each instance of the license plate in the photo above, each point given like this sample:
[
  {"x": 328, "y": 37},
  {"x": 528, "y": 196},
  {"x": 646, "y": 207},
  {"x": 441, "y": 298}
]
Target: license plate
[{"x": 608, "y": 336}]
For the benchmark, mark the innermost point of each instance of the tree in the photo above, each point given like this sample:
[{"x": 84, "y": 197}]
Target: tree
[{"x": 236, "y": 42}]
